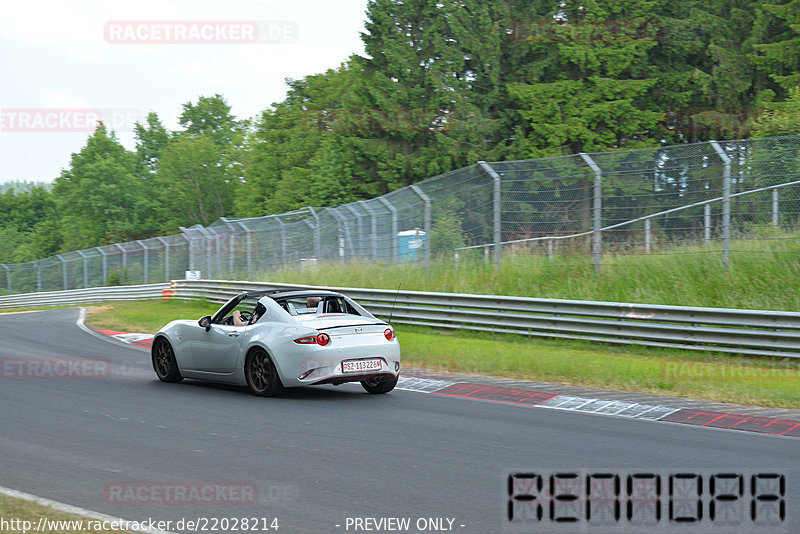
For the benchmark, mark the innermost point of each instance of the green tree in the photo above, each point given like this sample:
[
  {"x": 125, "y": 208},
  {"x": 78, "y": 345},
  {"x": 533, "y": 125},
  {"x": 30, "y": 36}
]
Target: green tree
[
  {"x": 778, "y": 50},
  {"x": 780, "y": 118},
  {"x": 211, "y": 116},
  {"x": 100, "y": 197},
  {"x": 304, "y": 149},
  {"x": 592, "y": 77},
  {"x": 194, "y": 182},
  {"x": 151, "y": 140}
]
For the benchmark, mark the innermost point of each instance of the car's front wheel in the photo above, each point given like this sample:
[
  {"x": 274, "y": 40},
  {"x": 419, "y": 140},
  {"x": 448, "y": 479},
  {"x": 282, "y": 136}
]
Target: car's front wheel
[
  {"x": 262, "y": 377},
  {"x": 164, "y": 362},
  {"x": 379, "y": 385}
]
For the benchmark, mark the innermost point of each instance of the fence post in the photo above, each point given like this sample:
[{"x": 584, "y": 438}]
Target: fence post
[
  {"x": 283, "y": 240},
  {"x": 144, "y": 266},
  {"x": 215, "y": 235},
  {"x": 166, "y": 257},
  {"x": 8, "y": 276},
  {"x": 63, "y": 270},
  {"x": 373, "y": 228},
  {"x": 359, "y": 229},
  {"x": 124, "y": 255},
  {"x": 189, "y": 247},
  {"x": 103, "y": 253},
  {"x": 707, "y": 222},
  {"x": 207, "y": 247},
  {"x": 647, "y": 236},
  {"x": 231, "y": 244},
  {"x": 85, "y": 268},
  {"x": 497, "y": 221},
  {"x": 455, "y": 258},
  {"x": 550, "y": 243},
  {"x": 726, "y": 202},
  {"x": 38, "y": 277},
  {"x": 393, "y": 211},
  {"x": 775, "y": 207},
  {"x": 343, "y": 236},
  {"x": 427, "y": 217},
  {"x": 316, "y": 233},
  {"x": 598, "y": 211},
  {"x": 249, "y": 247}
]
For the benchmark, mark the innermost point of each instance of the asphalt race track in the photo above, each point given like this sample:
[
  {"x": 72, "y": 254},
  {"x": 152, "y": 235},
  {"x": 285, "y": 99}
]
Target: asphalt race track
[{"x": 316, "y": 456}]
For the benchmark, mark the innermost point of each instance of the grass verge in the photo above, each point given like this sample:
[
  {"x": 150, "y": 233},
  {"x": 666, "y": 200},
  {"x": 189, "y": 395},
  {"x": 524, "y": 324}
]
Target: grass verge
[
  {"x": 24, "y": 515},
  {"x": 700, "y": 375},
  {"x": 763, "y": 274}
]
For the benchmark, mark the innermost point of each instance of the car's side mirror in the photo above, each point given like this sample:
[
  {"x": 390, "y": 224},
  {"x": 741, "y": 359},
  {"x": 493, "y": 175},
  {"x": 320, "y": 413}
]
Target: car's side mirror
[{"x": 205, "y": 322}]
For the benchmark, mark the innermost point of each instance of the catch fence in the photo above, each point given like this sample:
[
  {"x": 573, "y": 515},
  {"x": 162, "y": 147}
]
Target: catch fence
[{"x": 700, "y": 198}]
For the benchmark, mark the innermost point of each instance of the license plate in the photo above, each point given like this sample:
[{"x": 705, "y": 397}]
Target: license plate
[{"x": 357, "y": 366}]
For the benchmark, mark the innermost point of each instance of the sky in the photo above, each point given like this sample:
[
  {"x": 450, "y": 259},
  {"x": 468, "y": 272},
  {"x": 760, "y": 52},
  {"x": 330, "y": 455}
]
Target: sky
[{"x": 64, "y": 64}]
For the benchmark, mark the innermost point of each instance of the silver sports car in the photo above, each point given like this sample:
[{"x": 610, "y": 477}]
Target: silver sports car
[{"x": 269, "y": 340}]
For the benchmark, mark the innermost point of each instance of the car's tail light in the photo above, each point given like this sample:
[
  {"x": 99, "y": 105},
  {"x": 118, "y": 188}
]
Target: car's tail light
[
  {"x": 321, "y": 339},
  {"x": 389, "y": 334}
]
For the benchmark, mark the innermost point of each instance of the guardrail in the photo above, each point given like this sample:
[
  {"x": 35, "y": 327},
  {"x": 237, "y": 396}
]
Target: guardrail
[
  {"x": 746, "y": 332},
  {"x": 81, "y": 296}
]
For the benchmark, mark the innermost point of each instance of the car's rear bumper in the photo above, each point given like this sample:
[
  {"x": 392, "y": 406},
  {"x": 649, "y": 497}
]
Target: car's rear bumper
[{"x": 323, "y": 365}]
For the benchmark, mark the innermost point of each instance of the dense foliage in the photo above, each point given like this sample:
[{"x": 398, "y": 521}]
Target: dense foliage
[{"x": 441, "y": 85}]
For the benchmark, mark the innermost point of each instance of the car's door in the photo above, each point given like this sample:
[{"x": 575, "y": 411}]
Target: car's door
[{"x": 217, "y": 350}]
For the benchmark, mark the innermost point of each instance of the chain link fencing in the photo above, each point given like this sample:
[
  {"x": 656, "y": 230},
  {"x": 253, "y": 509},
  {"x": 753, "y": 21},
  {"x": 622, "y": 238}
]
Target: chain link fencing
[{"x": 704, "y": 198}]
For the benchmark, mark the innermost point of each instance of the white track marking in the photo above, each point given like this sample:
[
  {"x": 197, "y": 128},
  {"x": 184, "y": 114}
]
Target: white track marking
[
  {"x": 424, "y": 385},
  {"x": 74, "y": 510},
  {"x": 608, "y": 407}
]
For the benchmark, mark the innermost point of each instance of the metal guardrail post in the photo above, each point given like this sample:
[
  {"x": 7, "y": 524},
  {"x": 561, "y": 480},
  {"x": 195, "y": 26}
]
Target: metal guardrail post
[
  {"x": 166, "y": 257},
  {"x": 63, "y": 270},
  {"x": 598, "y": 211},
  {"x": 373, "y": 229},
  {"x": 427, "y": 219},
  {"x": 726, "y": 202},
  {"x": 8, "y": 276},
  {"x": 395, "y": 230},
  {"x": 775, "y": 220},
  {"x": 317, "y": 251},
  {"x": 496, "y": 204},
  {"x": 144, "y": 266}
]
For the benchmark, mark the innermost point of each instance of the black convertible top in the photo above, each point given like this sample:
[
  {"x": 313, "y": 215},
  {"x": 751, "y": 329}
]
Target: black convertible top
[{"x": 288, "y": 293}]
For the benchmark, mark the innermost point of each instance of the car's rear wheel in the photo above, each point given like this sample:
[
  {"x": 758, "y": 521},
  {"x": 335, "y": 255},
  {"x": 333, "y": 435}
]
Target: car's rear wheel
[
  {"x": 379, "y": 385},
  {"x": 164, "y": 362},
  {"x": 262, "y": 377}
]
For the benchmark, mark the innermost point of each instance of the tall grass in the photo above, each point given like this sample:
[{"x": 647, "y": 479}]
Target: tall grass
[{"x": 761, "y": 274}]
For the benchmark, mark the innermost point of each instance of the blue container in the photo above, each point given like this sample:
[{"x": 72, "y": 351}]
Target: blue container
[{"x": 410, "y": 245}]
